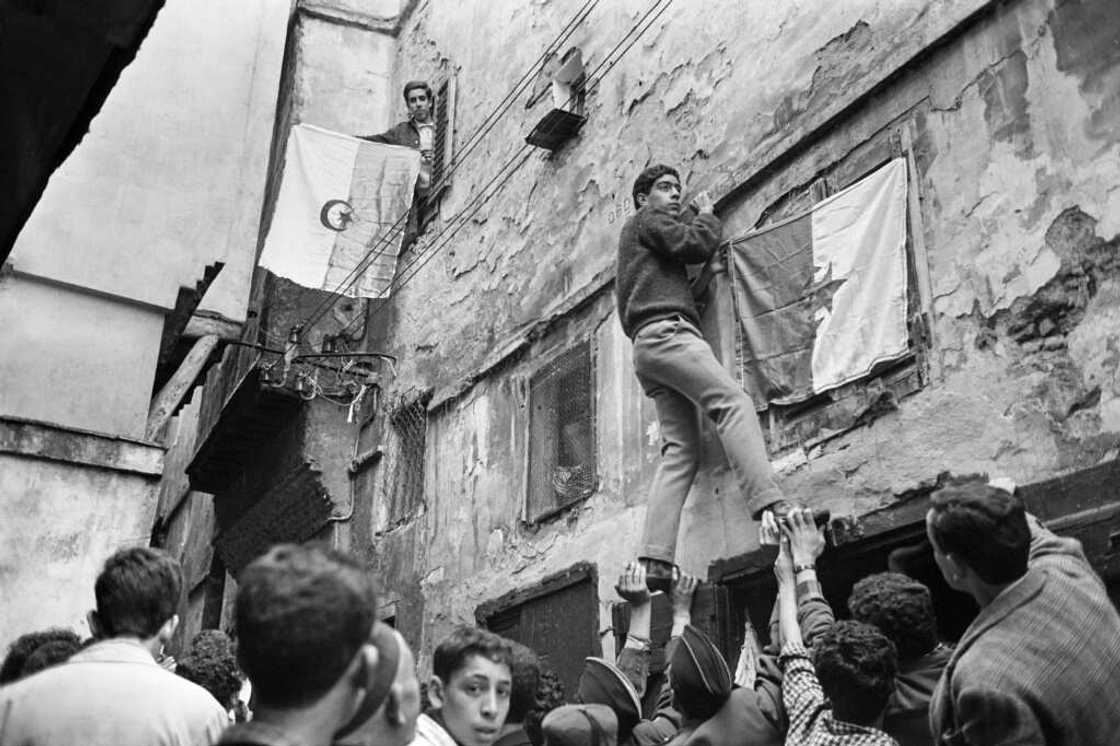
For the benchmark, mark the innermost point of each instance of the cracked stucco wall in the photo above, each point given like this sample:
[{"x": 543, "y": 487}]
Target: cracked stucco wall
[{"x": 1017, "y": 124}]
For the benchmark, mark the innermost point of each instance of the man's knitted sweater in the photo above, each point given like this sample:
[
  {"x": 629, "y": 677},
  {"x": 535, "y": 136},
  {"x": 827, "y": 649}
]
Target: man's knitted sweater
[{"x": 651, "y": 281}]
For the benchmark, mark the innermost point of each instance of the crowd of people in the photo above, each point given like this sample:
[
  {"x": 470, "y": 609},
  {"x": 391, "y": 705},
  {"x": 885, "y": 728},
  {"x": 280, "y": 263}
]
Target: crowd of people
[
  {"x": 309, "y": 664},
  {"x": 1039, "y": 665}
]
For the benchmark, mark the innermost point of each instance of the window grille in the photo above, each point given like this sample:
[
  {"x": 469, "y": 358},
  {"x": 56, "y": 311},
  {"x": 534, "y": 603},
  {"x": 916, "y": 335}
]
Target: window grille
[
  {"x": 562, "y": 459},
  {"x": 402, "y": 493}
]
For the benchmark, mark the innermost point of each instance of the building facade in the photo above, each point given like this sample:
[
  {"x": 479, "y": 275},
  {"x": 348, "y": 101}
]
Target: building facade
[
  {"x": 132, "y": 271},
  {"x": 497, "y": 471}
]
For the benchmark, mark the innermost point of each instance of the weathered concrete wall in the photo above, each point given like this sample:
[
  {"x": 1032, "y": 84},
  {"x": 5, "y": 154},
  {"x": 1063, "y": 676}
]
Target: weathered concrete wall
[
  {"x": 168, "y": 181},
  {"x": 343, "y": 79},
  {"x": 69, "y": 500},
  {"x": 1020, "y": 225},
  {"x": 76, "y": 359},
  {"x": 170, "y": 177},
  {"x": 184, "y": 520},
  {"x": 1016, "y": 137}
]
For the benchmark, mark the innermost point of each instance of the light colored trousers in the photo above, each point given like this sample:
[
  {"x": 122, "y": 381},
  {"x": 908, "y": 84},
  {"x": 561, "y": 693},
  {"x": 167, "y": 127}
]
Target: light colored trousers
[{"x": 678, "y": 370}]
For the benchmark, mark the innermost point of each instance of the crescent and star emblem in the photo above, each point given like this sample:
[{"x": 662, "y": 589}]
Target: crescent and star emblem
[{"x": 336, "y": 215}]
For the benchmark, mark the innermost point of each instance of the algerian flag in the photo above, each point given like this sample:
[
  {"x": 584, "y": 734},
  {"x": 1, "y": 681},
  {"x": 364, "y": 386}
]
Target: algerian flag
[
  {"x": 821, "y": 298},
  {"x": 343, "y": 201}
]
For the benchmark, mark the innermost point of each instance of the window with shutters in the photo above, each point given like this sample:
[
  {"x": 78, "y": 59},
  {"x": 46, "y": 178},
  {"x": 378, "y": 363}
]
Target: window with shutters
[
  {"x": 443, "y": 113},
  {"x": 558, "y": 618}
]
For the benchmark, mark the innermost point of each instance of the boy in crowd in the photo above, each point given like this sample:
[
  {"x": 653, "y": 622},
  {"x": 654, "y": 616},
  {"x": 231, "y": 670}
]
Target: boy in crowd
[
  {"x": 469, "y": 690},
  {"x": 1038, "y": 664},
  {"x": 526, "y": 673},
  {"x": 55, "y": 644},
  {"x": 305, "y": 617},
  {"x": 212, "y": 664},
  {"x": 675, "y": 365},
  {"x": 902, "y": 609},
  {"x": 114, "y": 692},
  {"x": 836, "y": 694},
  {"x": 895, "y": 604}
]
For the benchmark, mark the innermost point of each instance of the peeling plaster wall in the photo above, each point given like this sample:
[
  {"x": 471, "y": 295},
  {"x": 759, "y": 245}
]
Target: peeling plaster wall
[
  {"x": 168, "y": 181},
  {"x": 185, "y": 519},
  {"x": 1017, "y": 124},
  {"x": 343, "y": 77},
  {"x": 1018, "y": 184},
  {"x": 69, "y": 500}
]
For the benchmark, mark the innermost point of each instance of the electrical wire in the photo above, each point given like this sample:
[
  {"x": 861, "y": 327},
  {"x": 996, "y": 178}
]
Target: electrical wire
[
  {"x": 406, "y": 273},
  {"x": 388, "y": 238},
  {"x": 496, "y": 182}
]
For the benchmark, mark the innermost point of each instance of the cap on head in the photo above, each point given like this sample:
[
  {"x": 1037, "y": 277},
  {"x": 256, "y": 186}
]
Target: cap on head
[
  {"x": 581, "y": 725},
  {"x": 604, "y": 683},
  {"x": 700, "y": 677}
]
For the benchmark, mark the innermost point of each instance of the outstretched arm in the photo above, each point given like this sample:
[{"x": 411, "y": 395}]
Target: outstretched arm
[
  {"x": 633, "y": 659},
  {"x": 801, "y": 691},
  {"x": 683, "y": 591},
  {"x": 806, "y": 544}
]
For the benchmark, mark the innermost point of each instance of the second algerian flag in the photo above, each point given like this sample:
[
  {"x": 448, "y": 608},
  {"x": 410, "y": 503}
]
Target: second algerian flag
[{"x": 820, "y": 299}]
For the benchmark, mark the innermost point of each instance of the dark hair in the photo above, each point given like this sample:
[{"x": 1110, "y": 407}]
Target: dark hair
[
  {"x": 984, "y": 526},
  {"x": 49, "y": 654},
  {"x": 137, "y": 592},
  {"x": 414, "y": 84},
  {"x": 212, "y": 664},
  {"x": 646, "y": 179},
  {"x": 525, "y": 672},
  {"x": 302, "y": 613},
  {"x": 550, "y": 695},
  {"x": 20, "y": 651},
  {"x": 451, "y": 654},
  {"x": 901, "y": 608},
  {"x": 856, "y": 665}
]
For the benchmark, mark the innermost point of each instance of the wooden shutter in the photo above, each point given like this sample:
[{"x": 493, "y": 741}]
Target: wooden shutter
[{"x": 444, "y": 140}]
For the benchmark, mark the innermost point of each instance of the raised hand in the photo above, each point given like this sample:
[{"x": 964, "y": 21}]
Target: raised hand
[
  {"x": 783, "y": 564},
  {"x": 703, "y": 202},
  {"x": 806, "y": 541},
  {"x": 684, "y": 588},
  {"x": 632, "y": 584},
  {"x": 768, "y": 532}
]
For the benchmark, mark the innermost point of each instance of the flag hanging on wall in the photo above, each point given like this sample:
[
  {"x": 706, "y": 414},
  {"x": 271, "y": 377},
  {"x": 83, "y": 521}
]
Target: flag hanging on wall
[
  {"x": 820, "y": 299},
  {"x": 343, "y": 202}
]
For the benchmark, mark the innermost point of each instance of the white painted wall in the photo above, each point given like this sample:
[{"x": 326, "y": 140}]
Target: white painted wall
[{"x": 171, "y": 174}]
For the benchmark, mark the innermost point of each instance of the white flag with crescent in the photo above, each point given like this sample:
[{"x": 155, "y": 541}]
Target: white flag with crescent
[{"x": 341, "y": 212}]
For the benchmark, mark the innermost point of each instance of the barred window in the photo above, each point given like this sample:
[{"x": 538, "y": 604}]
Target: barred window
[
  {"x": 562, "y": 463},
  {"x": 402, "y": 493}
]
